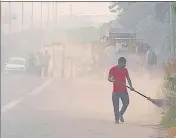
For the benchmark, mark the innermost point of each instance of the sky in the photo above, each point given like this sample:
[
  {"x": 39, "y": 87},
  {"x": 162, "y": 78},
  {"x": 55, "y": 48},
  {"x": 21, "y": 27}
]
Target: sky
[
  {"x": 63, "y": 8},
  {"x": 100, "y": 8}
]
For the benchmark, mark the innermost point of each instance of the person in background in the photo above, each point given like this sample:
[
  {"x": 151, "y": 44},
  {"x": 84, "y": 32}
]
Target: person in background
[
  {"x": 35, "y": 59},
  {"x": 141, "y": 50},
  {"x": 31, "y": 63},
  {"x": 118, "y": 75},
  {"x": 151, "y": 61},
  {"x": 39, "y": 63},
  {"x": 46, "y": 62}
]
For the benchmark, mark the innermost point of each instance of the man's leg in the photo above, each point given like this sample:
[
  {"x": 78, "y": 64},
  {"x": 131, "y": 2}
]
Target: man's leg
[
  {"x": 45, "y": 70},
  {"x": 40, "y": 70},
  {"x": 125, "y": 101},
  {"x": 115, "y": 100}
]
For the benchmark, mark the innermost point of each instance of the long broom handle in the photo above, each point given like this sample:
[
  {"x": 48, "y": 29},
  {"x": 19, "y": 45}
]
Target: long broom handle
[
  {"x": 135, "y": 91},
  {"x": 138, "y": 92}
]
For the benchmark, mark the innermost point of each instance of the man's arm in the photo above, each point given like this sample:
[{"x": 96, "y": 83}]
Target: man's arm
[
  {"x": 129, "y": 80},
  {"x": 148, "y": 56},
  {"x": 110, "y": 78}
]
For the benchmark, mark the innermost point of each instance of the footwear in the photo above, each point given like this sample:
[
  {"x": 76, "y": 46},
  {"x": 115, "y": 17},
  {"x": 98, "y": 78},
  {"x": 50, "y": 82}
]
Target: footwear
[
  {"x": 122, "y": 119},
  {"x": 116, "y": 121}
]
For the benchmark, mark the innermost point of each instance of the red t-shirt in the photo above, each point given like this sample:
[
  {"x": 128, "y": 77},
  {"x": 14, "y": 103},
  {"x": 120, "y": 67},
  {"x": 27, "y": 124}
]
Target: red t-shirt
[{"x": 120, "y": 75}]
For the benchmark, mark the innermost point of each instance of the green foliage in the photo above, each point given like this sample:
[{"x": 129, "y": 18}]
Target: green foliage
[
  {"x": 174, "y": 6},
  {"x": 169, "y": 89},
  {"x": 168, "y": 119},
  {"x": 114, "y": 7}
]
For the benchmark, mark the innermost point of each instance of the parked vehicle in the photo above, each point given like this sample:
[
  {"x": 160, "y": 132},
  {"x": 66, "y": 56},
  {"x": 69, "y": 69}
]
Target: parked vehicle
[{"x": 15, "y": 64}]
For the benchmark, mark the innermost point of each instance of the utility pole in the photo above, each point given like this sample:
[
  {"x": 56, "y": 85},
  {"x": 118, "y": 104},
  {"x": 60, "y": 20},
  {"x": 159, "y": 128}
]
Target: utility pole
[
  {"x": 53, "y": 58},
  {"x": 63, "y": 61},
  {"x": 22, "y": 20},
  {"x": 32, "y": 16},
  {"x": 59, "y": 10},
  {"x": 56, "y": 14},
  {"x": 55, "y": 32},
  {"x": 10, "y": 17},
  {"x": 48, "y": 13},
  {"x": 41, "y": 15},
  {"x": 172, "y": 29},
  {"x": 71, "y": 14},
  {"x": 53, "y": 17},
  {"x": 41, "y": 23},
  {"x": 71, "y": 9}
]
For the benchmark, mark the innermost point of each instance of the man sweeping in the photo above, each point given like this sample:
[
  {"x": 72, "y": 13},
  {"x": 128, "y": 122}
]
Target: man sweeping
[{"x": 118, "y": 75}]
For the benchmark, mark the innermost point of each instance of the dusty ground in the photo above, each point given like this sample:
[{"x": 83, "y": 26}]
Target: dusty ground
[{"x": 82, "y": 108}]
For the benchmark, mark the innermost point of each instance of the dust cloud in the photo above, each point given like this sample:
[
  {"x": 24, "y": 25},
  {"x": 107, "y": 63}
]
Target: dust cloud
[
  {"x": 89, "y": 96},
  {"x": 80, "y": 88}
]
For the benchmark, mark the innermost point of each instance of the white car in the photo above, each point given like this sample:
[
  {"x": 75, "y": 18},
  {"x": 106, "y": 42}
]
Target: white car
[{"x": 15, "y": 64}]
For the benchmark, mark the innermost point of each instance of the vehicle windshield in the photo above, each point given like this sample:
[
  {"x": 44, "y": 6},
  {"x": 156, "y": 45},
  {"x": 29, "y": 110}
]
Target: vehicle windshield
[{"x": 16, "y": 61}]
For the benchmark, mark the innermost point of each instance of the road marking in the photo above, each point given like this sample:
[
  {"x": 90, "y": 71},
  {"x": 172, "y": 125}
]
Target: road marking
[
  {"x": 40, "y": 88},
  {"x": 12, "y": 104}
]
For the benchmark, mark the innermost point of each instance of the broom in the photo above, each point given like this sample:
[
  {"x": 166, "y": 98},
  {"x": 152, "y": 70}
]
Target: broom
[{"x": 161, "y": 103}]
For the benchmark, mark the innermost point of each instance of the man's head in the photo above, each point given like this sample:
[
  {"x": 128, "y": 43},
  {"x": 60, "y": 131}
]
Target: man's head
[
  {"x": 149, "y": 48},
  {"x": 122, "y": 62},
  {"x": 46, "y": 52}
]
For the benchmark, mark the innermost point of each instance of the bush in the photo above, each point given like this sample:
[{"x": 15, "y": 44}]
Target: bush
[{"x": 169, "y": 91}]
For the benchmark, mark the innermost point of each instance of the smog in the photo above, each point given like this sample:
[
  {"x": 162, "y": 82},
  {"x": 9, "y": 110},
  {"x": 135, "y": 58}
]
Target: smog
[{"x": 56, "y": 62}]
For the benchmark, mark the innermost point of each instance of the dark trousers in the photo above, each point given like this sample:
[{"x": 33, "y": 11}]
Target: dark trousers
[
  {"x": 46, "y": 70},
  {"x": 39, "y": 70},
  {"x": 125, "y": 101}
]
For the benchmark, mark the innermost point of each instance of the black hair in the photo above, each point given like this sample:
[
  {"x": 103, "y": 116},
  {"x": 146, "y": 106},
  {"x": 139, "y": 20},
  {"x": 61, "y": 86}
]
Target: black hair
[{"x": 121, "y": 59}]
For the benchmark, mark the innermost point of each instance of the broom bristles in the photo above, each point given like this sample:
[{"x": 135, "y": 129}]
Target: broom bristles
[{"x": 159, "y": 102}]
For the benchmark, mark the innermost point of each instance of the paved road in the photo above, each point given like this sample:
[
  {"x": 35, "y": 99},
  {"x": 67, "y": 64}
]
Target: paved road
[
  {"x": 80, "y": 109},
  {"x": 14, "y": 86}
]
